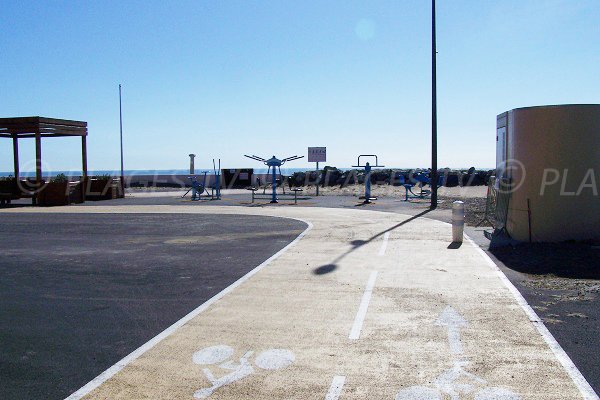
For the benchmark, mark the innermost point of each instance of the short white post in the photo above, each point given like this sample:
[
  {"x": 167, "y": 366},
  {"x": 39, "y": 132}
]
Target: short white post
[{"x": 458, "y": 221}]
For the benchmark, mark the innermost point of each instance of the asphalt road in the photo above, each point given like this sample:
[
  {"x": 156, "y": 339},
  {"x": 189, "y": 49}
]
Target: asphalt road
[{"x": 79, "y": 292}]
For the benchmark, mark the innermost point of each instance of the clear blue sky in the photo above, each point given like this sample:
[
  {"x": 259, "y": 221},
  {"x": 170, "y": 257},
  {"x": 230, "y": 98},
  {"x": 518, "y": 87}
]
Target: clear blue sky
[{"x": 224, "y": 78}]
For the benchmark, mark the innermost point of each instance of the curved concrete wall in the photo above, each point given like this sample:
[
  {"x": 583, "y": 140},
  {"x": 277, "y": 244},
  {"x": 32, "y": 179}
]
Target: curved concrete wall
[{"x": 559, "y": 151}]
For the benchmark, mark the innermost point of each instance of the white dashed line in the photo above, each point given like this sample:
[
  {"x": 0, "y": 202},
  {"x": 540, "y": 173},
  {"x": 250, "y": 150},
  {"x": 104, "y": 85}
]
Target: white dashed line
[
  {"x": 336, "y": 388},
  {"x": 364, "y": 306},
  {"x": 386, "y": 236}
]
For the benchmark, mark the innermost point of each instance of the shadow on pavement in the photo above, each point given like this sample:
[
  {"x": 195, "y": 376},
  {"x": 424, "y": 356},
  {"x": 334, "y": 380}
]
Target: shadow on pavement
[
  {"x": 359, "y": 243},
  {"x": 565, "y": 260},
  {"x": 325, "y": 269}
]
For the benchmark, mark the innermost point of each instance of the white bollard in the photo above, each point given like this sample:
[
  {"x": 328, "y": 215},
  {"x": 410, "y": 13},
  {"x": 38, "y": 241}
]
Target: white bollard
[{"x": 458, "y": 221}]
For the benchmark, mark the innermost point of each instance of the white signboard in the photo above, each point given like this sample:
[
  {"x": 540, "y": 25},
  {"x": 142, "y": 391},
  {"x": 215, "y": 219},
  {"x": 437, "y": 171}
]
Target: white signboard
[{"x": 317, "y": 154}]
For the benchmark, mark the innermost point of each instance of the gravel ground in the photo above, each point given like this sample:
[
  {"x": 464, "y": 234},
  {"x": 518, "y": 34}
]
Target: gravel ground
[{"x": 474, "y": 209}]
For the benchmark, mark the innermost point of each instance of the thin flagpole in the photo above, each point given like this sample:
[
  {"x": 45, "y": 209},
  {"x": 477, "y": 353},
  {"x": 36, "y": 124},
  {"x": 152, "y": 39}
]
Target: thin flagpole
[
  {"x": 121, "y": 137},
  {"x": 434, "y": 167}
]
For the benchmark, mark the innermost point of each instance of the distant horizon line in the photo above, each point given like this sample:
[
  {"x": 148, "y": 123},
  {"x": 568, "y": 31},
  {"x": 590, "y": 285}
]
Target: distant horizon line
[{"x": 182, "y": 171}]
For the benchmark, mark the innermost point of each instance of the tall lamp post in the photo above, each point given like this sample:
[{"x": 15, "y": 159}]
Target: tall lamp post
[
  {"x": 121, "y": 136},
  {"x": 434, "y": 167}
]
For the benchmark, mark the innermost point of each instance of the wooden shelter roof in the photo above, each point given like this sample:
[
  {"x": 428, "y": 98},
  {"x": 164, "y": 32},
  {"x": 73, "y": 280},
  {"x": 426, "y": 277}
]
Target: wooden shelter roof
[{"x": 28, "y": 127}]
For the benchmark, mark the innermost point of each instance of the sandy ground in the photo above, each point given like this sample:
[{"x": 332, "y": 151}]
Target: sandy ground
[
  {"x": 350, "y": 190},
  {"x": 474, "y": 197},
  {"x": 399, "y": 191}
]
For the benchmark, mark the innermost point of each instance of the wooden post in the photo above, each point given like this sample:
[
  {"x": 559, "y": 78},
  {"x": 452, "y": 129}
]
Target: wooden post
[
  {"x": 16, "y": 156},
  {"x": 84, "y": 170},
  {"x": 38, "y": 157}
]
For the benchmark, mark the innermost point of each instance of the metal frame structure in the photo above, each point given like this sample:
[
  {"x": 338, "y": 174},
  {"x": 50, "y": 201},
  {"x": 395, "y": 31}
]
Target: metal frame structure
[
  {"x": 198, "y": 189},
  {"x": 287, "y": 196},
  {"x": 367, "y": 197},
  {"x": 490, "y": 204},
  {"x": 420, "y": 180},
  {"x": 217, "y": 187},
  {"x": 274, "y": 163}
]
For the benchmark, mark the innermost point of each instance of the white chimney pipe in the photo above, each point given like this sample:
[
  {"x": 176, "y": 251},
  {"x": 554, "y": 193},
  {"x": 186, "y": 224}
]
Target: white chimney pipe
[{"x": 192, "y": 169}]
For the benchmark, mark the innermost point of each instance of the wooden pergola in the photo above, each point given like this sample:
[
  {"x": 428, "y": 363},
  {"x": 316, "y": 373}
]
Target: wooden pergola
[{"x": 38, "y": 128}]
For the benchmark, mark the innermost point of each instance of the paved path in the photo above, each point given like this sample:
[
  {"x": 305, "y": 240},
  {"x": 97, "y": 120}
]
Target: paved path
[
  {"x": 78, "y": 292},
  {"x": 366, "y": 305}
]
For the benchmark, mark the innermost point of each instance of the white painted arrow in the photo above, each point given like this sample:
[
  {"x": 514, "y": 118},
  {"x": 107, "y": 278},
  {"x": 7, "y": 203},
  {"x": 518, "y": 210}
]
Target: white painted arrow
[{"x": 454, "y": 321}]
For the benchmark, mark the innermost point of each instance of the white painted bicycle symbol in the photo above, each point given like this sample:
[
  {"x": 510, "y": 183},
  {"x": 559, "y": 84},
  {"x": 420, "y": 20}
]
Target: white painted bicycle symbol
[
  {"x": 456, "y": 381},
  {"x": 269, "y": 360}
]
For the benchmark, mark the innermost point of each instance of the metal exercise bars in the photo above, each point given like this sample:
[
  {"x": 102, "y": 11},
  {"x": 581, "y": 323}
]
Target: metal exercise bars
[
  {"x": 367, "y": 197},
  {"x": 274, "y": 164},
  {"x": 199, "y": 188}
]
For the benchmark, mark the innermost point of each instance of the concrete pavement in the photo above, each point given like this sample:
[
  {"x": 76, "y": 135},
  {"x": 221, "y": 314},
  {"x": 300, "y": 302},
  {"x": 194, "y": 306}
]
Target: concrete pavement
[{"x": 366, "y": 305}]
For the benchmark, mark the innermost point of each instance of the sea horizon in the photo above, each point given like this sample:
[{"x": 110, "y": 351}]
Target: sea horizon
[{"x": 136, "y": 172}]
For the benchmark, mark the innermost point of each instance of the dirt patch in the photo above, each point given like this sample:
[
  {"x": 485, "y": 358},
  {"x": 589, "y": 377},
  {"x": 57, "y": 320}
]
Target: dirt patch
[{"x": 474, "y": 209}]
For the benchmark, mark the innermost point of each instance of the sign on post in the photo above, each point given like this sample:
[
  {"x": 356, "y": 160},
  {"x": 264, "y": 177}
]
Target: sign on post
[{"x": 317, "y": 154}]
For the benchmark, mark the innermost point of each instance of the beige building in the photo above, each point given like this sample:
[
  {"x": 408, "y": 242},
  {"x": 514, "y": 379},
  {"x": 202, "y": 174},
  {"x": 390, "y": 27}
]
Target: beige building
[{"x": 551, "y": 157}]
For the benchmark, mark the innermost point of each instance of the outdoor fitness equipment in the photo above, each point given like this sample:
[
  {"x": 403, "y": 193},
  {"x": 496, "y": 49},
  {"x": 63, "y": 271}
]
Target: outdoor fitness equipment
[
  {"x": 274, "y": 163},
  {"x": 199, "y": 188},
  {"x": 367, "y": 197},
  {"x": 420, "y": 179},
  {"x": 217, "y": 171}
]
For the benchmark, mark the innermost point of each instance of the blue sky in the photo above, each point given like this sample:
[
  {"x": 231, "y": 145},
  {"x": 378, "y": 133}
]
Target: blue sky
[{"x": 224, "y": 78}]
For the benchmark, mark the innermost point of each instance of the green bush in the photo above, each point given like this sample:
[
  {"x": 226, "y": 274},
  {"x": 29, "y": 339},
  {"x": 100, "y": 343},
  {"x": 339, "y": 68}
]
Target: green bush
[
  {"x": 103, "y": 177},
  {"x": 60, "y": 178}
]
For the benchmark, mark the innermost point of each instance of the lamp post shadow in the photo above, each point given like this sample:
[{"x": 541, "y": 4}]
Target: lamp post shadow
[{"x": 328, "y": 268}]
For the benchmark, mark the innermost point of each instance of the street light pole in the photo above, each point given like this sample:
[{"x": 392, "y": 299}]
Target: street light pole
[
  {"x": 121, "y": 136},
  {"x": 434, "y": 167}
]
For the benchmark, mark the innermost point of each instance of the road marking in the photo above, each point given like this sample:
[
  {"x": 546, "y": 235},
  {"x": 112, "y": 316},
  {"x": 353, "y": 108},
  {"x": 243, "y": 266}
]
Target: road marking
[
  {"x": 109, "y": 373},
  {"x": 336, "y": 387},
  {"x": 453, "y": 321},
  {"x": 269, "y": 360},
  {"x": 386, "y": 236},
  {"x": 364, "y": 306},
  {"x": 456, "y": 381},
  {"x": 582, "y": 384}
]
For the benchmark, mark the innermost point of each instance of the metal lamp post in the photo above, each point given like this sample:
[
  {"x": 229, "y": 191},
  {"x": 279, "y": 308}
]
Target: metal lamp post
[
  {"x": 121, "y": 137},
  {"x": 434, "y": 167}
]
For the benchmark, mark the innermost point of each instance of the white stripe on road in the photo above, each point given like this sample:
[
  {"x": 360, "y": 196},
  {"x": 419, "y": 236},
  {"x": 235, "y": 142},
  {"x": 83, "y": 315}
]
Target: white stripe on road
[
  {"x": 364, "y": 306},
  {"x": 336, "y": 388},
  {"x": 582, "y": 384},
  {"x": 109, "y": 373},
  {"x": 386, "y": 236}
]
